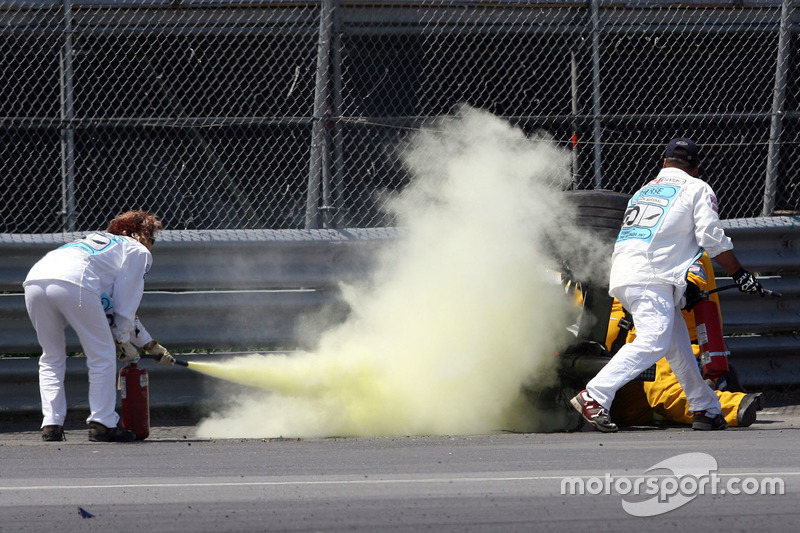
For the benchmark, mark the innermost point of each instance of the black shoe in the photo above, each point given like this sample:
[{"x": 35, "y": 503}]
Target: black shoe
[
  {"x": 703, "y": 422},
  {"x": 760, "y": 401},
  {"x": 746, "y": 413},
  {"x": 100, "y": 433},
  {"x": 53, "y": 433}
]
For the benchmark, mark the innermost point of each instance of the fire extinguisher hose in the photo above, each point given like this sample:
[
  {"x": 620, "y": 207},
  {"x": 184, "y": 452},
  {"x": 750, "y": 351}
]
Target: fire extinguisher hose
[
  {"x": 767, "y": 292},
  {"x": 157, "y": 357}
]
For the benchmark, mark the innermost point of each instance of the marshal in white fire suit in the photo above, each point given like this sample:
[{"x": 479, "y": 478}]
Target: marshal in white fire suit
[
  {"x": 668, "y": 224},
  {"x": 65, "y": 287}
]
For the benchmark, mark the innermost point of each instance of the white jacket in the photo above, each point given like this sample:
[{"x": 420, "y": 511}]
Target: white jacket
[
  {"x": 668, "y": 224},
  {"x": 103, "y": 263}
]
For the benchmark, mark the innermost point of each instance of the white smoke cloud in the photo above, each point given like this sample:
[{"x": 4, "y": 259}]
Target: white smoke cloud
[{"x": 458, "y": 316}]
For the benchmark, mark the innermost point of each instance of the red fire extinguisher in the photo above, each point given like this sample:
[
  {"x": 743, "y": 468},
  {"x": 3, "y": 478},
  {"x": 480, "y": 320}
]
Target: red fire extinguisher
[
  {"x": 713, "y": 351},
  {"x": 135, "y": 392}
]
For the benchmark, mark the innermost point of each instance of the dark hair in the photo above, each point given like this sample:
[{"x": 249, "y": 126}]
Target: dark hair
[
  {"x": 132, "y": 223},
  {"x": 682, "y": 164}
]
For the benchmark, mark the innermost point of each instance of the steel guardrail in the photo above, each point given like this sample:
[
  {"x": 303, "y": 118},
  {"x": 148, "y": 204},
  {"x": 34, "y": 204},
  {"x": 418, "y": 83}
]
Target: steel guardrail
[{"x": 265, "y": 281}]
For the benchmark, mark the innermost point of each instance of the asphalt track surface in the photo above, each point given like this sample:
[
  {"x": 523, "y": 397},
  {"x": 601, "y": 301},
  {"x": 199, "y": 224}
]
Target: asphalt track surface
[{"x": 174, "y": 481}]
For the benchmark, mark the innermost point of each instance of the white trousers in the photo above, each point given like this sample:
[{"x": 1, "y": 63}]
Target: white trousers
[
  {"x": 52, "y": 305},
  {"x": 660, "y": 332}
]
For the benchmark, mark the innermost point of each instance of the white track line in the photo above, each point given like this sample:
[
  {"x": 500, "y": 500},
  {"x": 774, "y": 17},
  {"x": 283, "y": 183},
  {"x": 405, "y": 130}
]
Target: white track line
[{"x": 359, "y": 481}]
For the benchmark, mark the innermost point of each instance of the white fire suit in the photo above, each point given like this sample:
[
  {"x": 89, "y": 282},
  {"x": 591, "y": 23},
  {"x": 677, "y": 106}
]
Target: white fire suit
[
  {"x": 668, "y": 224},
  {"x": 64, "y": 288}
]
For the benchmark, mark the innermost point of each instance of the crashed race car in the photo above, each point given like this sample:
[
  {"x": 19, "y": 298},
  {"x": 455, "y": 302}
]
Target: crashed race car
[{"x": 598, "y": 214}]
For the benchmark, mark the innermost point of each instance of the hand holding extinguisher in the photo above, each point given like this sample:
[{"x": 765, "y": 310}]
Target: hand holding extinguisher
[{"x": 158, "y": 353}]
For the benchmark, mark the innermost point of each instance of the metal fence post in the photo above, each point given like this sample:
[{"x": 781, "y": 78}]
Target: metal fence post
[
  {"x": 778, "y": 101},
  {"x": 68, "y": 213},
  {"x": 319, "y": 163},
  {"x": 576, "y": 134},
  {"x": 596, "y": 108},
  {"x": 335, "y": 203}
]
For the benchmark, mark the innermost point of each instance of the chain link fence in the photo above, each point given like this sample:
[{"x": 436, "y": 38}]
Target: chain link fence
[{"x": 288, "y": 114}]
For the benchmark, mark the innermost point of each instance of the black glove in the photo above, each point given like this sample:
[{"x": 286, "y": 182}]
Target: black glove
[
  {"x": 748, "y": 283},
  {"x": 692, "y": 295}
]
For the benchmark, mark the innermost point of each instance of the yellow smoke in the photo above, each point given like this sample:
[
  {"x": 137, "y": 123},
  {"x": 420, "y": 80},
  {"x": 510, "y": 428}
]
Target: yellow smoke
[{"x": 458, "y": 317}]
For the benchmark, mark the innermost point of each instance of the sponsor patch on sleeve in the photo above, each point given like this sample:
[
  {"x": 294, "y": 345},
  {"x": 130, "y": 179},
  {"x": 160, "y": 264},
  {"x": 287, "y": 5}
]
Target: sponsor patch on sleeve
[{"x": 714, "y": 204}]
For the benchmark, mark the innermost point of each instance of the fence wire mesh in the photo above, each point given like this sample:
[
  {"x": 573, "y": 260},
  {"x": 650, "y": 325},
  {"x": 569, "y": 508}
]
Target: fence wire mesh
[{"x": 288, "y": 114}]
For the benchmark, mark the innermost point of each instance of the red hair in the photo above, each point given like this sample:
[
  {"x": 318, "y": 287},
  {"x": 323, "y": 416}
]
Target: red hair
[{"x": 135, "y": 223}]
